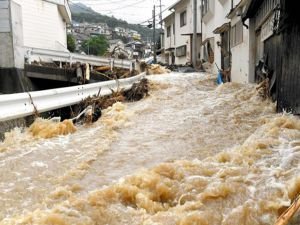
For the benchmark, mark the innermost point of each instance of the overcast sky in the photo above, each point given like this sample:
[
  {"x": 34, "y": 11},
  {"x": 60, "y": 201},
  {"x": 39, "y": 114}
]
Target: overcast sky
[{"x": 133, "y": 11}]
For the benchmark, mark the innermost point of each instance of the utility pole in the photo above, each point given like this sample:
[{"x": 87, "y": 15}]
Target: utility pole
[
  {"x": 160, "y": 15},
  {"x": 194, "y": 44},
  {"x": 154, "y": 38}
]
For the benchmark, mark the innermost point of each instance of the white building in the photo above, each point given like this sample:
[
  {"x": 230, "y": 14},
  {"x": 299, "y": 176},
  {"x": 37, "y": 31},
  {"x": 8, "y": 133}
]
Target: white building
[
  {"x": 225, "y": 39},
  {"x": 222, "y": 38},
  {"x": 240, "y": 62},
  {"x": 31, "y": 24},
  {"x": 178, "y": 35}
]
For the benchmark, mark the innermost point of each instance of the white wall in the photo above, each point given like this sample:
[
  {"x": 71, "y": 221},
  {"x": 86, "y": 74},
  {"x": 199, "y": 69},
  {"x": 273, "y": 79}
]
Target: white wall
[
  {"x": 183, "y": 39},
  {"x": 169, "y": 42},
  {"x": 215, "y": 18},
  {"x": 43, "y": 26},
  {"x": 240, "y": 57}
]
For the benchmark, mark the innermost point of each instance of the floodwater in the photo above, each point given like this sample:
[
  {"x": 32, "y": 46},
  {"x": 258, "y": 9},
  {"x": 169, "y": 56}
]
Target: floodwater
[{"x": 190, "y": 153}]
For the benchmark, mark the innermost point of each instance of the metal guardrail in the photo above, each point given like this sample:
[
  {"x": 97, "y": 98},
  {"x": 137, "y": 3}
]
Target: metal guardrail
[
  {"x": 60, "y": 56},
  {"x": 13, "y": 106}
]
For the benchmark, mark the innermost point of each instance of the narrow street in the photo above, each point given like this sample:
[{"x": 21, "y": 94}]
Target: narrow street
[{"x": 190, "y": 153}]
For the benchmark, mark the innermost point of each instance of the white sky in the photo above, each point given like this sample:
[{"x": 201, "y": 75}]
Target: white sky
[{"x": 133, "y": 11}]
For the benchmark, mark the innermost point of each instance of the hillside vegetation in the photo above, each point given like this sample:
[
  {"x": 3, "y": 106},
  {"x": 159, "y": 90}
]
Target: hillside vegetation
[{"x": 82, "y": 13}]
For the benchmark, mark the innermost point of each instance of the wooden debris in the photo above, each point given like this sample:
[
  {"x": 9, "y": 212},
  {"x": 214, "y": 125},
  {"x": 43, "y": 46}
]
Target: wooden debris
[
  {"x": 36, "y": 113},
  {"x": 102, "y": 68},
  {"x": 289, "y": 213},
  {"x": 138, "y": 91},
  {"x": 263, "y": 88}
]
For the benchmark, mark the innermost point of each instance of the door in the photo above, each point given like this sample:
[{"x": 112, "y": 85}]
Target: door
[{"x": 225, "y": 51}]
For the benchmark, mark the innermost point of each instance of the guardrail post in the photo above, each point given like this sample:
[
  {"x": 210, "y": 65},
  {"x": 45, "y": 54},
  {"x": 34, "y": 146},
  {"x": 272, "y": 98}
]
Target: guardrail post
[
  {"x": 29, "y": 57},
  {"x": 111, "y": 64},
  {"x": 71, "y": 60}
]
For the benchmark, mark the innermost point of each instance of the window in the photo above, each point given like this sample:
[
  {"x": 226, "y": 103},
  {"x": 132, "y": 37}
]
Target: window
[
  {"x": 181, "y": 51},
  {"x": 183, "y": 19},
  {"x": 237, "y": 34},
  {"x": 174, "y": 29},
  {"x": 205, "y": 6},
  {"x": 168, "y": 31}
]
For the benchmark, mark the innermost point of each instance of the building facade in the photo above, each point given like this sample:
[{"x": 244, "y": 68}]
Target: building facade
[
  {"x": 222, "y": 37},
  {"x": 178, "y": 34},
  {"x": 39, "y": 24},
  {"x": 33, "y": 24},
  {"x": 274, "y": 50}
]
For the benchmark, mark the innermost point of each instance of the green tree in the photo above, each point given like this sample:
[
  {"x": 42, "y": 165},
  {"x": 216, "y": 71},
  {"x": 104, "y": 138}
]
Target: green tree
[
  {"x": 71, "y": 43},
  {"x": 97, "y": 45}
]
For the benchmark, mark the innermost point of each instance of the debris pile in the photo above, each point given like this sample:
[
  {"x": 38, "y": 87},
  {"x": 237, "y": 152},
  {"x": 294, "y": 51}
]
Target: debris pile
[
  {"x": 89, "y": 110},
  {"x": 138, "y": 91},
  {"x": 263, "y": 89},
  {"x": 152, "y": 69},
  {"x": 104, "y": 73}
]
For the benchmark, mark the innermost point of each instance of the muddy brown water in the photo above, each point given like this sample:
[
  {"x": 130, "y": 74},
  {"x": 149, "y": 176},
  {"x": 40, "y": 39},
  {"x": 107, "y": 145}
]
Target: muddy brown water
[{"x": 190, "y": 153}]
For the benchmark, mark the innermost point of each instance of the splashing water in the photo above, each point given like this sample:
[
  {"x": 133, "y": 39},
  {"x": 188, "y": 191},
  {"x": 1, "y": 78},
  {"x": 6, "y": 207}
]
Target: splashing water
[
  {"x": 191, "y": 153},
  {"x": 48, "y": 129}
]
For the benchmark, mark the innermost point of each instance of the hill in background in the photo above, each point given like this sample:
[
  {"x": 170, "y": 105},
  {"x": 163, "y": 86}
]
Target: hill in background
[{"x": 82, "y": 13}]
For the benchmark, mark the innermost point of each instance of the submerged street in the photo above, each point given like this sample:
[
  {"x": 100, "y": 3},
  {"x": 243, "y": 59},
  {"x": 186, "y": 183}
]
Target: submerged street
[{"x": 190, "y": 153}]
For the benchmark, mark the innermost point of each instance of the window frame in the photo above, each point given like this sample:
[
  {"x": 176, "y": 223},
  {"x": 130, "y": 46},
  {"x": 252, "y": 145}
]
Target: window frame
[
  {"x": 183, "y": 18},
  {"x": 181, "y": 51},
  {"x": 168, "y": 31},
  {"x": 236, "y": 34}
]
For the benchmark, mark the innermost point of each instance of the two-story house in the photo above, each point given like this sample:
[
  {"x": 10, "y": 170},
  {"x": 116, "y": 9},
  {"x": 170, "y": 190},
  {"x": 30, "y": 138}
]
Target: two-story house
[{"x": 178, "y": 35}]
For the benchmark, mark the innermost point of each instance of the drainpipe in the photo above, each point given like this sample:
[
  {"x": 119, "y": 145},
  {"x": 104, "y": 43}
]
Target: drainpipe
[
  {"x": 201, "y": 19},
  {"x": 154, "y": 37},
  {"x": 194, "y": 44}
]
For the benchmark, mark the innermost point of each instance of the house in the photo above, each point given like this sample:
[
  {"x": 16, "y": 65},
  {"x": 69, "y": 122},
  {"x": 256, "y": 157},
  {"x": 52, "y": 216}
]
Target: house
[
  {"x": 274, "y": 31},
  {"x": 169, "y": 43},
  {"x": 29, "y": 24},
  {"x": 120, "y": 31},
  {"x": 239, "y": 45},
  {"x": 178, "y": 33},
  {"x": 218, "y": 40},
  {"x": 222, "y": 39},
  {"x": 137, "y": 49}
]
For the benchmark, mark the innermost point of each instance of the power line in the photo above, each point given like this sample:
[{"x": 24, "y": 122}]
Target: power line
[
  {"x": 110, "y": 10},
  {"x": 157, "y": 15}
]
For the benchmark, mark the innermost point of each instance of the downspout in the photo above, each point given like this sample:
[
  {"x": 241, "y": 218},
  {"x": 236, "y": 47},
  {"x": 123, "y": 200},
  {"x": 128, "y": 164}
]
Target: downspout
[
  {"x": 245, "y": 25},
  {"x": 194, "y": 40},
  {"x": 201, "y": 37},
  {"x": 201, "y": 19}
]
